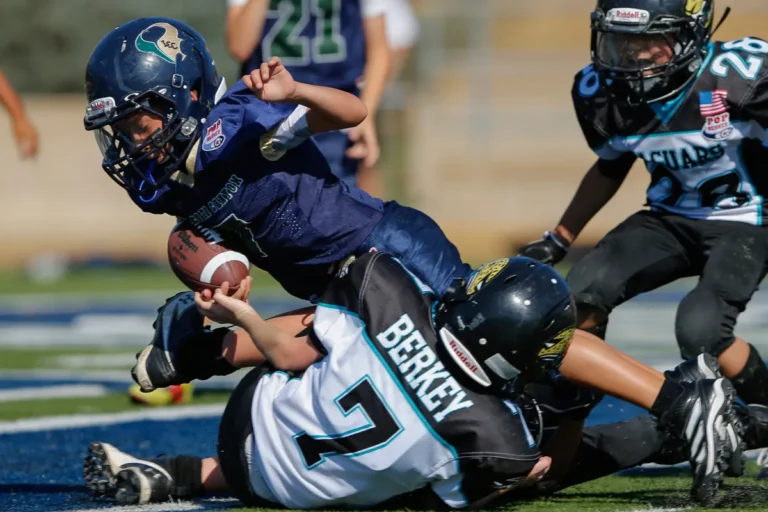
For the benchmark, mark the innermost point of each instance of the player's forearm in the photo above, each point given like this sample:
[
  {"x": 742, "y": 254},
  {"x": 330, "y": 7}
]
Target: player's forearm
[
  {"x": 378, "y": 62},
  {"x": 595, "y": 190},
  {"x": 330, "y": 109},
  {"x": 244, "y": 28},
  {"x": 10, "y": 100},
  {"x": 283, "y": 350}
]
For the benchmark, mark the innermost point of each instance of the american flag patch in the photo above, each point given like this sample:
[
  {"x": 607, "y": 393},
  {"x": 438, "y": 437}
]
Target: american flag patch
[{"x": 713, "y": 103}]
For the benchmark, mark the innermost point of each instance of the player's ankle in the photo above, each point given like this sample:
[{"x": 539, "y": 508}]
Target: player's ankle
[
  {"x": 186, "y": 472},
  {"x": 751, "y": 382},
  {"x": 669, "y": 394},
  {"x": 204, "y": 359}
]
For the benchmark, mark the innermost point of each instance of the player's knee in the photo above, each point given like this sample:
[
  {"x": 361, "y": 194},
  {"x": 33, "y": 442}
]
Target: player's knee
[
  {"x": 702, "y": 325},
  {"x": 592, "y": 319}
]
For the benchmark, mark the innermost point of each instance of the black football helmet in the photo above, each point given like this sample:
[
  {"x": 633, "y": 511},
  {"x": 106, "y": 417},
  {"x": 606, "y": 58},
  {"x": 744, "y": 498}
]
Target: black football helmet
[
  {"x": 149, "y": 65},
  {"x": 649, "y": 50},
  {"x": 509, "y": 323}
]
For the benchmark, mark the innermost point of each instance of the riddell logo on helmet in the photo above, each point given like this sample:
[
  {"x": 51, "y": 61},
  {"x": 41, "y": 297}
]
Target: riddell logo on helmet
[
  {"x": 468, "y": 362},
  {"x": 463, "y": 358},
  {"x": 629, "y": 16}
]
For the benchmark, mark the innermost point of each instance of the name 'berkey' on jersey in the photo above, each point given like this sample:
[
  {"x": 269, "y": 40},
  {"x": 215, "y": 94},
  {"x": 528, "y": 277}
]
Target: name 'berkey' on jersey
[{"x": 440, "y": 393}]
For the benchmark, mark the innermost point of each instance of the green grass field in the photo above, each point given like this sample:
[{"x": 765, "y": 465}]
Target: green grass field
[{"x": 640, "y": 490}]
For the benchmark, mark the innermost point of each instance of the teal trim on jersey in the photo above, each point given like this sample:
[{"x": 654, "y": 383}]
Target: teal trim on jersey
[
  {"x": 370, "y": 425},
  {"x": 276, "y": 372},
  {"x": 633, "y": 138},
  {"x": 515, "y": 410},
  {"x": 400, "y": 386},
  {"x": 424, "y": 287},
  {"x": 668, "y": 109}
]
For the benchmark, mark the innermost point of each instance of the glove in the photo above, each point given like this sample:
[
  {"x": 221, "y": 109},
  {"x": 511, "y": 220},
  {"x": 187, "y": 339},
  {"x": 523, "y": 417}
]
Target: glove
[{"x": 550, "y": 249}]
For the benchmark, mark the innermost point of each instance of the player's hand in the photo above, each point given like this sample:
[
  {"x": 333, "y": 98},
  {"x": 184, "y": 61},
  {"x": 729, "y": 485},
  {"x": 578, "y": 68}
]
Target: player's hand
[
  {"x": 366, "y": 143},
  {"x": 223, "y": 308},
  {"x": 271, "y": 82},
  {"x": 26, "y": 138},
  {"x": 548, "y": 249}
]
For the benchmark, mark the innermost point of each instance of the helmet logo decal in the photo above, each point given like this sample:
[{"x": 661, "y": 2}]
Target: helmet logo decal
[
  {"x": 485, "y": 274},
  {"x": 693, "y": 7},
  {"x": 166, "y": 44},
  {"x": 628, "y": 16},
  {"x": 100, "y": 107},
  {"x": 463, "y": 358},
  {"x": 553, "y": 350}
]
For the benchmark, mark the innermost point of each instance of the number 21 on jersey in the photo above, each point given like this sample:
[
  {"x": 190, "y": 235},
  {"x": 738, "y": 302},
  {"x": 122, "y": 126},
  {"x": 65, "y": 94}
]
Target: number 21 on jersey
[
  {"x": 288, "y": 40},
  {"x": 748, "y": 67}
]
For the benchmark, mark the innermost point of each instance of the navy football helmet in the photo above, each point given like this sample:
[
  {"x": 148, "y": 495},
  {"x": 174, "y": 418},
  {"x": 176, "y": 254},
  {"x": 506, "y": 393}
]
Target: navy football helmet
[
  {"x": 149, "y": 66},
  {"x": 511, "y": 322},
  {"x": 649, "y": 50}
]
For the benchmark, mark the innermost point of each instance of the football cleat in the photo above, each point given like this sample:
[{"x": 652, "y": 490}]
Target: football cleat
[
  {"x": 130, "y": 481},
  {"x": 700, "y": 416},
  {"x": 705, "y": 366},
  {"x": 157, "y": 365}
]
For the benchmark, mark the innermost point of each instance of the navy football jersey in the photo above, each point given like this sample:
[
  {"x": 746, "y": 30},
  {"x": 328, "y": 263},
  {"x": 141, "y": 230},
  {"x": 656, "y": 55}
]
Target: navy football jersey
[
  {"x": 283, "y": 209},
  {"x": 706, "y": 149},
  {"x": 320, "y": 42}
]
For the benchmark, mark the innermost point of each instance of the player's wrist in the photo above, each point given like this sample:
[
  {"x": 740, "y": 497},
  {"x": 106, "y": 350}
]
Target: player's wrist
[
  {"x": 300, "y": 94},
  {"x": 560, "y": 241}
]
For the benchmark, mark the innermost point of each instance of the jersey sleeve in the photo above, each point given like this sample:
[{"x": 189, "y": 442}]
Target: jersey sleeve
[
  {"x": 373, "y": 8},
  {"x": 585, "y": 93},
  {"x": 755, "y": 106},
  {"x": 236, "y": 3}
]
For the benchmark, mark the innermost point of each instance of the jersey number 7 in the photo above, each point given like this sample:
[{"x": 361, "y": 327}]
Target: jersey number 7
[{"x": 382, "y": 427}]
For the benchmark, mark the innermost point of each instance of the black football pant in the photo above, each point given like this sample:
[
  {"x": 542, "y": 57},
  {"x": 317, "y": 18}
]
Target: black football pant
[{"x": 650, "y": 249}]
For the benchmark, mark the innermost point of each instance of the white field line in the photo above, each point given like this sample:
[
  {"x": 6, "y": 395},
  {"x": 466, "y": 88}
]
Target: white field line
[{"x": 97, "y": 420}]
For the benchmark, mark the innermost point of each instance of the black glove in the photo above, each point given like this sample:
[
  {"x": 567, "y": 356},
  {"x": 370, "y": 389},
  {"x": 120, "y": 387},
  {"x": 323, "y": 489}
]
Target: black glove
[{"x": 550, "y": 249}]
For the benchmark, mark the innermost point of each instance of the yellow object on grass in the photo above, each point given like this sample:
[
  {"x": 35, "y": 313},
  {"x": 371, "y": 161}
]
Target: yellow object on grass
[{"x": 178, "y": 394}]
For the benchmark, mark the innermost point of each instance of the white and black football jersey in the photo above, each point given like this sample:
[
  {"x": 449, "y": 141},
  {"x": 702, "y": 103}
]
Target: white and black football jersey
[
  {"x": 380, "y": 416},
  {"x": 706, "y": 149}
]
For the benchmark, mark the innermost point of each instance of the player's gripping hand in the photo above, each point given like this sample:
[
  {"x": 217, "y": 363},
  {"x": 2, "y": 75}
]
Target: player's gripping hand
[
  {"x": 225, "y": 309},
  {"x": 550, "y": 249},
  {"x": 271, "y": 82}
]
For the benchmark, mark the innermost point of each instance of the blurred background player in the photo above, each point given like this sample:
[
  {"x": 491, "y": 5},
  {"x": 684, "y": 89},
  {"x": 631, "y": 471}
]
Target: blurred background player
[
  {"x": 339, "y": 43},
  {"x": 402, "y": 34},
  {"x": 23, "y": 130},
  {"x": 696, "y": 112}
]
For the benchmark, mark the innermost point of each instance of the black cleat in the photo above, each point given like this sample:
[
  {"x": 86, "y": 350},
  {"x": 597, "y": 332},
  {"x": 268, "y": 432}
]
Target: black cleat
[
  {"x": 705, "y": 366},
  {"x": 700, "y": 416},
  {"x": 130, "y": 481},
  {"x": 177, "y": 321}
]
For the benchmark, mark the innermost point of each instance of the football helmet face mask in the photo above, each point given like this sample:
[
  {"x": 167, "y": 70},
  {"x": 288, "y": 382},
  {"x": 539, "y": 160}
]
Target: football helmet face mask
[{"x": 150, "y": 84}]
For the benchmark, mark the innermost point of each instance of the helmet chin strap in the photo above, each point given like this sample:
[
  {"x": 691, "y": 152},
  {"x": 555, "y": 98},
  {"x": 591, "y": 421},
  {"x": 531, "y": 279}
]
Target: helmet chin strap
[
  {"x": 188, "y": 176},
  {"x": 221, "y": 90}
]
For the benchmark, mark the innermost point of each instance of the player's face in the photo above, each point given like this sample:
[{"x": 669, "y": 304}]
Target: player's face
[
  {"x": 635, "y": 52},
  {"x": 139, "y": 128}
]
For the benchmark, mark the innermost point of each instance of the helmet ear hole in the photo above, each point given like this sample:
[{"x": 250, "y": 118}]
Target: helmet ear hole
[{"x": 510, "y": 278}]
